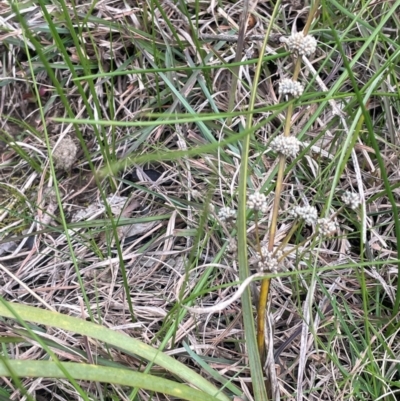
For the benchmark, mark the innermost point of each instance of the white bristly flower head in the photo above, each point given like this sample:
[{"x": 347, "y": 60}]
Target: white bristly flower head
[
  {"x": 288, "y": 146},
  {"x": 308, "y": 213},
  {"x": 267, "y": 262},
  {"x": 232, "y": 246},
  {"x": 302, "y": 45},
  {"x": 351, "y": 199},
  {"x": 226, "y": 214},
  {"x": 327, "y": 227},
  {"x": 257, "y": 202},
  {"x": 289, "y": 87}
]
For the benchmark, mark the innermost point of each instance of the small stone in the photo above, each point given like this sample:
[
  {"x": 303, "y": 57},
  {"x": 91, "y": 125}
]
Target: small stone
[{"x": 64, "y": 154}]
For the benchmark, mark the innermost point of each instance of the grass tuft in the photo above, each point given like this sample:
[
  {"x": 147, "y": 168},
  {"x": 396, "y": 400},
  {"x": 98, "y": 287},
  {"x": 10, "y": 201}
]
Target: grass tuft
[{"x": 136, "y": 139}]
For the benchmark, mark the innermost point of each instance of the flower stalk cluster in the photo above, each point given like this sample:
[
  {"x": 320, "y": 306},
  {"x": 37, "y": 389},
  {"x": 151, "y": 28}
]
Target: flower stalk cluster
[
  {"x": 327, "y": 226},
  {"x": 257, "y": 202},
  {"x": 308, "y": 213},
  {"x": 228, "y": 215},
  {"x": 300, "y": 44},
  {"x": 288, "y": 146},
  {"x": 351, "y": 199},
  {"x": 289, "y": 87},
  {"x": 269, "y": 261}
]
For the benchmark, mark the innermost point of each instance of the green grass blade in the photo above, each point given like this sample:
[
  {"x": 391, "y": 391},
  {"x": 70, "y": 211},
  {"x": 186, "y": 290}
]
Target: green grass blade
[
  {"x": 110, "y": 337},
  {"x": 123, "y": 377}
]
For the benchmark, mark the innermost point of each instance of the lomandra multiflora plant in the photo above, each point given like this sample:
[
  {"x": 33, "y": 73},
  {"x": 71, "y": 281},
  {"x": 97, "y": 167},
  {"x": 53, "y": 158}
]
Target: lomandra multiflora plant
[
  {"x": 270, "y": 256},
  {"x": 287, "y": 146}
]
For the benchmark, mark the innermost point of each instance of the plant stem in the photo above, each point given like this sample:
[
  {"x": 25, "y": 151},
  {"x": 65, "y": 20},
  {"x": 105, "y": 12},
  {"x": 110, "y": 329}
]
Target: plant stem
[{"x": 265, "y": 284}]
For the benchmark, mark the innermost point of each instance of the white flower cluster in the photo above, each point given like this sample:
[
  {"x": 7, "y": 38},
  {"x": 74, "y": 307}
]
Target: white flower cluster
[
  {"x": 327, "y": 227},
  {"x": 308, "y": 213},
  {"x": 257, "y": 202},
  {"x": 302, "y": 45},
  {"x": 267, "y": 262},
  {"x": 64, "y": 154},
  {"x": 351, "y": 199},
  {"x": 227, "y": 214},
  {"x": 288, "y": 146},
  {"x": 232, "y": 246},
  {"x": 289, "y": 87}
]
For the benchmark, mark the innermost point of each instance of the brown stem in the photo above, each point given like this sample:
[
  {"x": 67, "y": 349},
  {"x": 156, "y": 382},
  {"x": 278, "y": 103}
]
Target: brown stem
[{"x": 265, "y": 284}]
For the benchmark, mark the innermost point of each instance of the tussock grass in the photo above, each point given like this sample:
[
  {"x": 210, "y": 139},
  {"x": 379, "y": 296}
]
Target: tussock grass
[{"x": 170, "y": 125}]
